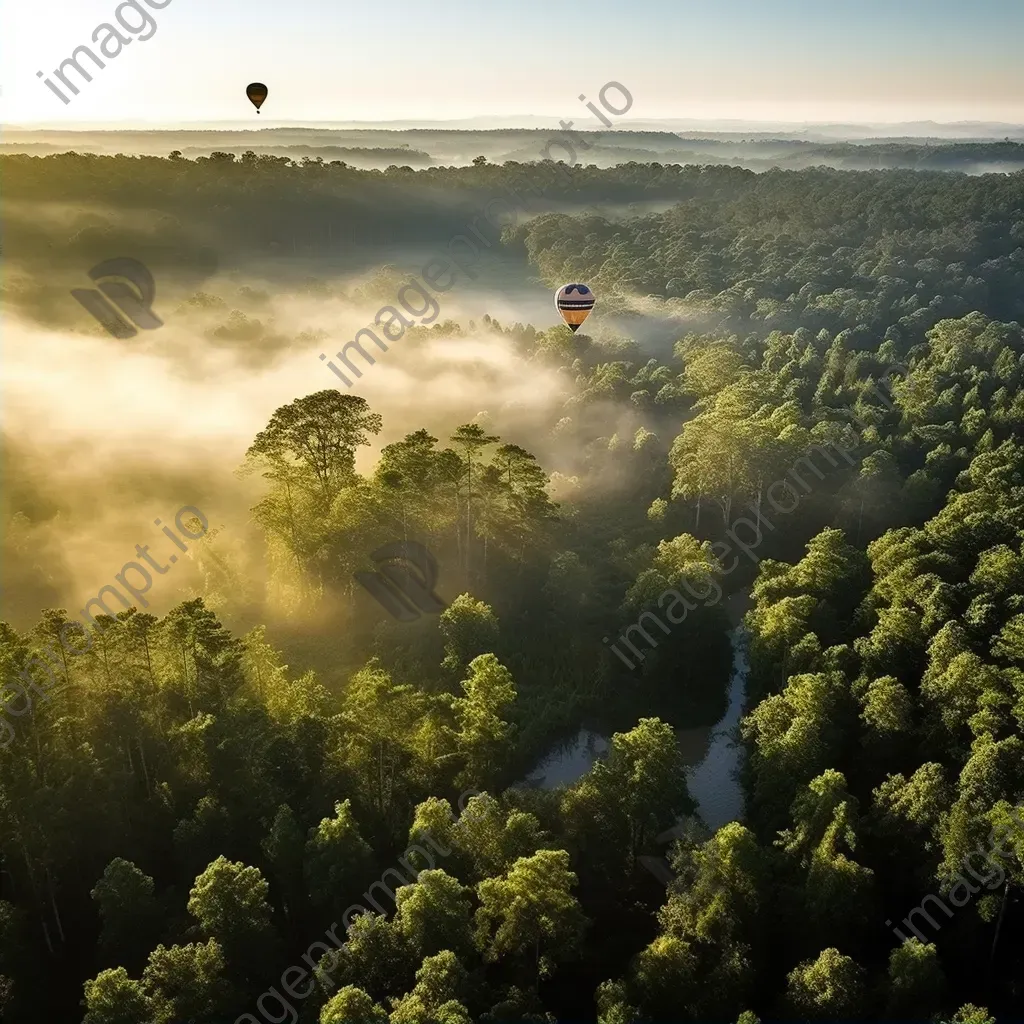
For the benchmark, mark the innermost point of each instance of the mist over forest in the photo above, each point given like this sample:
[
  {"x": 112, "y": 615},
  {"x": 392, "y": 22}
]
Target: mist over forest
[
  {"x": 795, "y": 413},
  {"x": 377, "y": 148}
]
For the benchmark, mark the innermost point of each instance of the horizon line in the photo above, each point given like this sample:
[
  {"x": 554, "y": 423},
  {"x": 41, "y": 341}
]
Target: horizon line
[{"x": 537, "y": 125}]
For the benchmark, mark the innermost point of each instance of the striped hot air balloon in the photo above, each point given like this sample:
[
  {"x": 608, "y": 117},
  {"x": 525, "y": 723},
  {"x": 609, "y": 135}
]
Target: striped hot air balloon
[{"x": 574, "y": 302}]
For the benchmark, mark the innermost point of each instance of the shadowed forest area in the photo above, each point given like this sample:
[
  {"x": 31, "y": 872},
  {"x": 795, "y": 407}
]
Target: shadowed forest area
[{"x": 206, "y": 785}]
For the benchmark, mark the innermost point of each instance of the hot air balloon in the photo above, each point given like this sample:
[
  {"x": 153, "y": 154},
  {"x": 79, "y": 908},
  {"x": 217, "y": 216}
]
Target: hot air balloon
[
  {"x": 574, "y": 302},
  {"x": 257, "y": 93}
]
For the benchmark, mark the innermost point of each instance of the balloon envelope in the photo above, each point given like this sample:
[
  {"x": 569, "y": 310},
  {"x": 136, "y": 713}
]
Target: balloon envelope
[
  {"x": 574, "y": 302},
  {"x": 257, "y": 93}
]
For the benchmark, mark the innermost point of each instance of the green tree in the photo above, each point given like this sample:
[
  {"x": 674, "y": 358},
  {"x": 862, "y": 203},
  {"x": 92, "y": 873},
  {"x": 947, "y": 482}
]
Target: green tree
[
  {"x": 185, "y": 983},
  {"x": 311, "y": 443},
  {"x": 378, "y": 956},
  {"x": 469, "y": 440},
  {"x": 284, "y": 847},
  {"x": 491, "y": 837},
  {"x": 442, "y": 984},
  {"x": 613, "y": 1006},
  {"x": 970, "y": 1014},
  {"x": 484, "y": 737},
  {"x": 829, "y": 988},
  {"x": 625, "y": 800},
  {"x": 667, "y": 976},
  {"x": 229, "y": 900},
  {"x": 917, "y": 983},
  {"x": 719, "y": 908},
  {"x": 129, "y": 913},
  {"x": 797, "y": 734},
  {"x": 338, "y": 859},
  {"x": 434, "y": 914},
  {"x": 352, "y": 1005},
  {"x": 838, "y": 894},
  {"x": 114, "y": 998},
  {"x": 381, "y": 719},
  {"x": 531, "y": 911},
  {"x": 470, "y": 629}
]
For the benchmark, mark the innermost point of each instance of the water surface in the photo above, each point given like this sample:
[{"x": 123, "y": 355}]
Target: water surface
[{"x": 711, "y": 752}]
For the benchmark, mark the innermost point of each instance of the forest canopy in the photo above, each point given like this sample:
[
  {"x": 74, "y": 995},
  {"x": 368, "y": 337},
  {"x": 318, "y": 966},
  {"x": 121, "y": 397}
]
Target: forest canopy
[{"x": 203, "y": 796}]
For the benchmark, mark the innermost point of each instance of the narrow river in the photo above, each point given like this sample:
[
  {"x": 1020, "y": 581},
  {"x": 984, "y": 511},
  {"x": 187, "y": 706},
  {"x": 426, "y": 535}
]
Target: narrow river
[{"x": 711, "y": 752}]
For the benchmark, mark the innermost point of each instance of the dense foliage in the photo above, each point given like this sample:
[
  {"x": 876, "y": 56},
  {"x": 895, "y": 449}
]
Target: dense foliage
[{"x": 187, "y": 815}]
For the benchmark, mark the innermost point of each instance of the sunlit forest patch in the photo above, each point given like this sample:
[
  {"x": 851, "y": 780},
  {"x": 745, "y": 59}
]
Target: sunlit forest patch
[{"x": 198, "y": 794}]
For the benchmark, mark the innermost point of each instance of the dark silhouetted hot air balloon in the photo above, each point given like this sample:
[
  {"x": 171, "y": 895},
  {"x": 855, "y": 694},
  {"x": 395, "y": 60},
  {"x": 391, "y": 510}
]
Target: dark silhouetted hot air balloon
[
  {"x": 257, "y": 93},
  {"x": 574, "y": 302}
]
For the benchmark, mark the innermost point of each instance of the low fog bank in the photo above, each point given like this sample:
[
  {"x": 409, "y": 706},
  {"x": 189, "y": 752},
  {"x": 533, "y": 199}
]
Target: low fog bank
[
  {"x": 50, "y": 245},
  {"x": 104, "y": 436},
  {"x": 848, "y": 147}
]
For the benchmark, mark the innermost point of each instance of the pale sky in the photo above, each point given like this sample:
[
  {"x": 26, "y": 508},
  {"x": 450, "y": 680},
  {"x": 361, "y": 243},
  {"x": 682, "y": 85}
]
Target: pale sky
[{"x": 338, "y": 60}]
